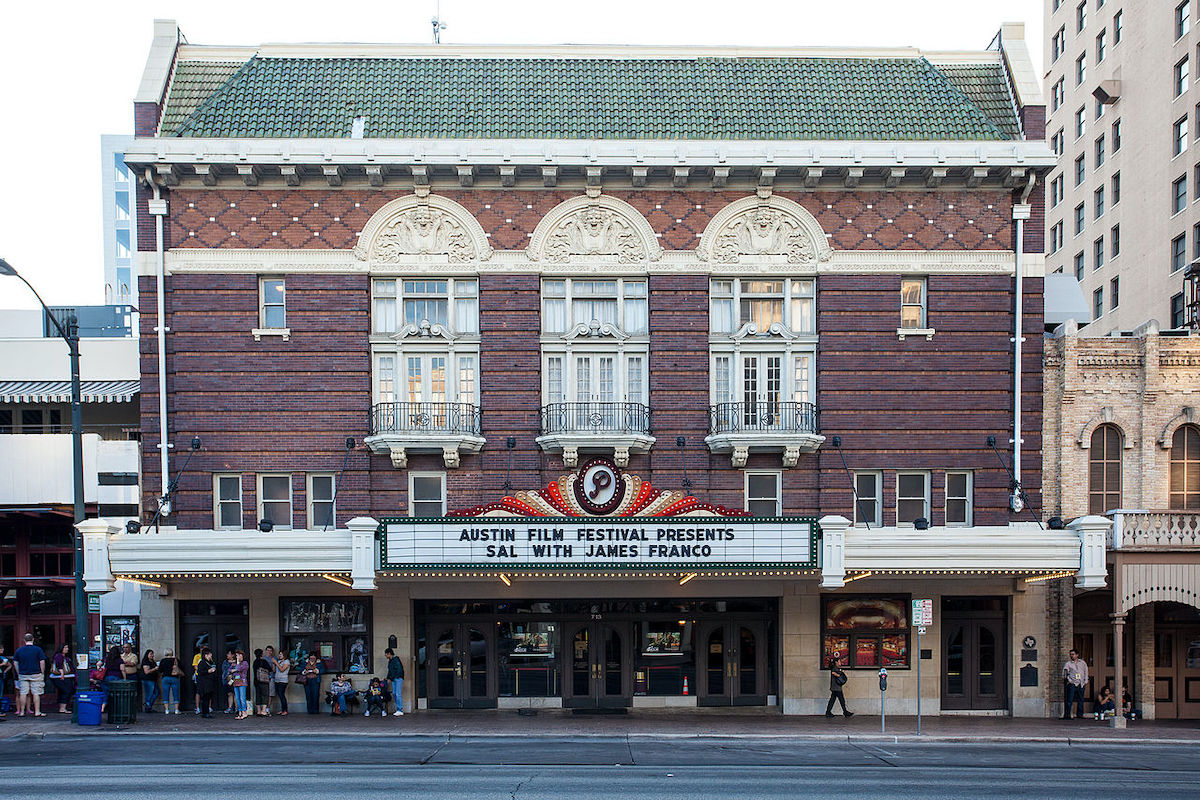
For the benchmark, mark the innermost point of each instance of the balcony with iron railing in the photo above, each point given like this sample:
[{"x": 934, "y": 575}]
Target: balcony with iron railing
[
  {"x": 400, "y": 428},
  {"x": 617, "y": 426},
  {"x": 789, "y": 428}
]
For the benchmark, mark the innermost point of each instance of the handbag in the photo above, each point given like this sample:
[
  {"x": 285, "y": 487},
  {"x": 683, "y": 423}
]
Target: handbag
[
  {"x": 303, "y": 679},
  {"x": 262, "y": 675},
  {"x": 176, "y": 672}
]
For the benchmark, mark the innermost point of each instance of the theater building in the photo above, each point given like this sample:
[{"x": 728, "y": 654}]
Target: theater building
[{"x": 599, "y": 377}]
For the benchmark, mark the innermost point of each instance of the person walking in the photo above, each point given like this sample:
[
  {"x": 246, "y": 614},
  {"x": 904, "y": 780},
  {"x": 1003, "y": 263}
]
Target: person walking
[
  {"x": 395, "y": 677},
  {"x": 62, "y": 673},
  {"x": 262, "y": 684},
  {"x": 837, "y": 679},
  {"x": 311, "y": 677},
  {"x": 31, "y": 677},
  {"x": 239, "y": 678},
  {"x": 279, "y": 680},
  {"x": 207, "y": 676},
  {"x": 1075, "y": 677},
  {"x": 169, "y": 669},
  {"x": 149, "y": 676}
]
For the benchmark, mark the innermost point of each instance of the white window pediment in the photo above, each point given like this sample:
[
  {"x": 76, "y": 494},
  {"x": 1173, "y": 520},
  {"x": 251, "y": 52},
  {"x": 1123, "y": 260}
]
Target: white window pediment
[
  {"x": 424, "y": 331},
  {"x": 600, "y": 229},
  {"x": 764, "y": 230},
  {"x": 778, "y": 329},
  {"x": 595, "y": 330},
  {"x": 430, "y": 229}
]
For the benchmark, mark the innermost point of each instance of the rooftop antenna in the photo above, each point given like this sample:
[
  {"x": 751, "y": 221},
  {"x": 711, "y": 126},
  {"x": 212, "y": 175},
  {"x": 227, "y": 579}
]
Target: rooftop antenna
[{"x": 438, "y": 25}]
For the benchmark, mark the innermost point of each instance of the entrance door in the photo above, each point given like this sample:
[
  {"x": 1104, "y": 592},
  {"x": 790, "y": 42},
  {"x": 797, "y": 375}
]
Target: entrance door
[
  {"x": 974, "y": 674},
  {"x": 733, "y": 664},
  {"x": 460, "y": 672},
  {"x": 1176, "y": 672},
  {"x": 221, "y": 635},
  {"x": 600, "y": 666}
]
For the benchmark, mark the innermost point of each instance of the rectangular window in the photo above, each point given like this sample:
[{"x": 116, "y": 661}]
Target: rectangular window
[
  {"x": 762, "y": 494},
  {"x": 1178, "y": 253},
  {"x": 1114, "y": 241},
  {"x": 1177, "y": 320},
  {"x": 1098, "y": 202},
  {"x": 959, "y": 498},
  {"x": 384, "y": 312},
  {"x": 466, "y": 306},
  {"x": 1056, "y": 143},
  {"x": 791, "y": 303},
  {"x": 1080, "y": 68},
  {"x": 1196, "y": 182},
  {"x": 1080, "y": 121},
  {"x": 621, "y": 303},
  {"x": 1179, "y": 194},
  {"x": 275, "y": 500},
  {"x": 1056, "y": 237},
  {"x": 1196, "y": 241},
  {"x": 1100, "y": 109},
  {"x": 1080, "y": 169},
  {"x": 426, "y": 301},
  {"x": 453, "y": 304},
  {"x": 1056, "y": 191},
  {"x": 912, "y": 497},
  {"x": 1098, "y": 150},
  {"x": 868, "y": 486},
  {"x": 271, "y": 303},
  {"x": 1081, "y": 16},
  {"x": 1118, "y": 26},
  {"x": 1114, "y": 292},
  {"x": 1116, "y": 136},
  {"x": 1179, "y": 132},
  {"x": 1183, "y": 18},
  {"x": 804, "y": 306},
  {"x": 1116, "y": 188},
  {"x": 865, "y": 632},
  {"x": 1181, "y": 76},
  {"x": 336, "y": 630},
  {"x": 1079, "y": 265},
  {"x": 227, "y": 501},
  {"x": 1101, "y": 45},
  {"x": 1098, "y": 303},
  {"x": 912, "y": 303},
  {"x": 1098, "y": 253},
  {"x": 427, "y": 494},
  {"x": 1057, "y": 92},
  {"x": 1079, "y": 218},
  {"x": 1058, "y": 44},
  {"x": 320, "y": 502}
]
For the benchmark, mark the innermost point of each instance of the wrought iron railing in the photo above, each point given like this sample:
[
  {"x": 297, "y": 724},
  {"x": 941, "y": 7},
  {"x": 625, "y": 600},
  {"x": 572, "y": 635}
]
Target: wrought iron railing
[
  {"x": 763, "y": 417},
  {"x": 596, "y": 417},
  {"x": 425, "y": 418}
]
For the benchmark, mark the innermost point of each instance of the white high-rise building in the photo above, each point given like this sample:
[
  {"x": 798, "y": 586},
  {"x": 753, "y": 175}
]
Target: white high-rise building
[{"x": 120, "y": 220}]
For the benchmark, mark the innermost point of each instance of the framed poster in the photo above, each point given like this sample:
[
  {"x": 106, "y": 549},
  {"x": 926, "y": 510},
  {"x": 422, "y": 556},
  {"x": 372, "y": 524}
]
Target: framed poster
[
  {"x": 533, "y": 640},
  {"x": 662, "y": 639},
  {"x": 866, "y": 631},
  {"x": 121, "y": 631}
]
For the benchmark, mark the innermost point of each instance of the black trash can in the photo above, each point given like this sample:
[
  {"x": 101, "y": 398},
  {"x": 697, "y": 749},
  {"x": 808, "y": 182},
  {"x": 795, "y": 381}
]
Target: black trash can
[{"x": 122, "y": 702}]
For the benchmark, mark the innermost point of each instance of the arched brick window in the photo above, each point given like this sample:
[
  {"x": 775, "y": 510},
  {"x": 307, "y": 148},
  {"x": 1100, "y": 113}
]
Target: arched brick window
[
  {"x": 1104, "y": 470},
  {"x": 1185, "y": 468}
]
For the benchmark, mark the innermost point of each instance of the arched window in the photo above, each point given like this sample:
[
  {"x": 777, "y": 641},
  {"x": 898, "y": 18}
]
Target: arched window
[
  {"x": 1185, "y": 468},
  {"x": 1104, "y": 470}
]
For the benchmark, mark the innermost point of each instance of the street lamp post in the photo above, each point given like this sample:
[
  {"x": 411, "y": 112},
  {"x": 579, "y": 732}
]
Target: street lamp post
[{"x": 70, "y": 335}]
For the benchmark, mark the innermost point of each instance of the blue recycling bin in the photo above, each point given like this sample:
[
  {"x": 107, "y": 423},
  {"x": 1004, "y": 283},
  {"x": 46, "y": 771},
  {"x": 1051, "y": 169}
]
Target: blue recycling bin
[{"x": 89, "y": 705}]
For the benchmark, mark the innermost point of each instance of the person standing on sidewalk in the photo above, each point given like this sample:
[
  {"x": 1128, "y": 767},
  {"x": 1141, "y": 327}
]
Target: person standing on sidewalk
[
  {"x": 62, "y": 673},
  {"x": 1075, "y": 677},
  {"x": 169, "y": 669},
  {"x": 261, "y": 669},
  {"x": 239, "y": 677},
  {"x": 31, "y": 677},
  {"x": 311, "y": 676},
  {"x": 279, "y": 680},
  {"x": 149, "y": 678},
  {"x": 395, "y": 677},
  {"x": 837, "y": 679},
  {"x": 207, "y": 677}
]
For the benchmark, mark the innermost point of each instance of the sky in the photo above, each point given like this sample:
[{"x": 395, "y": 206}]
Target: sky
[{"x": 69, "y": 71}]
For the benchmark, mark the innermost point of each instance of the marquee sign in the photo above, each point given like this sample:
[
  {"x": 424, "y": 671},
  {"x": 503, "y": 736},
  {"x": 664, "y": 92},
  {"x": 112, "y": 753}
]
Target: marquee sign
[{"x": 598, "y": 517}]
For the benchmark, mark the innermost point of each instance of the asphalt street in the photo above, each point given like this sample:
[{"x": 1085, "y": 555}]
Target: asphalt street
[{"x": 528, "y": 768}]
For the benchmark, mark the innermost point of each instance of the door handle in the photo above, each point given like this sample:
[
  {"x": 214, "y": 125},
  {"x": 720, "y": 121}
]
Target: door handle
[{"x": 458, "y": 670}]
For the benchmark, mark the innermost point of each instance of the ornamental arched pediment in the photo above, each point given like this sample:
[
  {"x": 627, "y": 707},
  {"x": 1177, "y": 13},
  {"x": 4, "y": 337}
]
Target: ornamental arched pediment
[
  {"x": 772, "y": 229},
  {"x": 424, "y": 228},
  {"x": 590, "y": 228}
]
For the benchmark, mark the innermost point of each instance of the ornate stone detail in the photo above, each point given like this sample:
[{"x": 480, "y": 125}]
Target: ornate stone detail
[
  {"x": 764, "y": 227},
  {"x": 587, "y": 227},
  {"x": 791, "y": 456},
  {"x": 739, "y": 457},
  {"x": 426, "y": 225},
  {"x": 399, "y": 457},
  {"x": 450, "y": 457},
  {"x": 621, "y": 456},
  {"x": 570, "y": 457}
]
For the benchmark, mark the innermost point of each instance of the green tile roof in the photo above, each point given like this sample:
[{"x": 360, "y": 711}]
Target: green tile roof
[
  {"x": 595, "y": 98},
  {"x": 986, "y": 87},
  {"x": 192, "y": 84}
]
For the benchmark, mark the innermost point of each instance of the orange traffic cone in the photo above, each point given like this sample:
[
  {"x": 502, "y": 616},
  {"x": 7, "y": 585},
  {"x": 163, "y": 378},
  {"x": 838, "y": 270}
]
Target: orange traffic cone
[{"x": 685, "y": 686}]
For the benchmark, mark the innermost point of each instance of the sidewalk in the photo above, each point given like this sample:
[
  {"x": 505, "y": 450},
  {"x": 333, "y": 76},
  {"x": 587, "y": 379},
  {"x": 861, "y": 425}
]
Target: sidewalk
[{"x": 739, "y": 723}]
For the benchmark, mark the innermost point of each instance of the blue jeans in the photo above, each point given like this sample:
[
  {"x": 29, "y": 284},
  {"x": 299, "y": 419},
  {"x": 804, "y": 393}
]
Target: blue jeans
[
  {"x": 239, "y": 698},
  {"x": 1074, "y": 694},
  {"x": 341, "y": 701},
  {"x": 149, "y": 693},
  {"x": 312, "y": 695},
  {"x": 397, "y": 697},
  {"x": 170, "y": 691}
]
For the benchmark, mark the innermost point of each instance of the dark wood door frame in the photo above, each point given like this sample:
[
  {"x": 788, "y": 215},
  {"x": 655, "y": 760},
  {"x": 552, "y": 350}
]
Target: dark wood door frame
[
  {"x": 467, "y": 659},
  {"x": 974, "y": 628},
  {"x": 603, "y": 672},
  {"x": 734, "y": 662}
]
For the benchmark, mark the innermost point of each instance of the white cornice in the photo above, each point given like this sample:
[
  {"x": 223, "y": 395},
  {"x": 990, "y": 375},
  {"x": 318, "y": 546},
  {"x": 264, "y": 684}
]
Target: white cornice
[
  {"x": 845, "y": 262},
  {"x": 583, "y": 152}
]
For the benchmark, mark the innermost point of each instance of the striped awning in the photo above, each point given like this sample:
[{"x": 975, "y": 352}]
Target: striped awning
[{"x": 60, "y": 391}]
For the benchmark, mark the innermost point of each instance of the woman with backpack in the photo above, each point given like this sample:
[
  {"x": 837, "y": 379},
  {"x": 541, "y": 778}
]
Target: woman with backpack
[{"x": 837, "y": 679}]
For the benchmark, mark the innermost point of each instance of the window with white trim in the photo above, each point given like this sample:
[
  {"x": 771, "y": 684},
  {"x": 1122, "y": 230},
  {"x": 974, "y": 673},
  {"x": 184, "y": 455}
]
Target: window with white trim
[
  {"x": 427, "y": 494},
  {"x": 912, "y": 497},
  {"x": 275, "y": 500},
  {"x": 763, "y": 496},
  {"x": 960, "y": 503},
  {"x": 913, "y": 303},
  {"x": 619, "y": 302},
  {"x": 227, "y": 502},
  {"x": 762, "y": 342},
  {"x": 868, "y": 508},
  {"x": 272, "y": 312},
  {"x": 320, "y": 501}
]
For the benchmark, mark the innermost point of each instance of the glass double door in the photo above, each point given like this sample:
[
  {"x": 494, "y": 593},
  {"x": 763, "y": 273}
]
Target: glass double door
[
  {"x": 600, "y": 659},
  {"x": 460, "y": 671},
  {"x": 732, "y": 661},
  {"x": 974, "y": 675}
]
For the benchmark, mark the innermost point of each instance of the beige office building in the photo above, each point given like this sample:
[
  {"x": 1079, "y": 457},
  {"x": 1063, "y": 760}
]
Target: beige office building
[{"x": 1124, "y": 119}]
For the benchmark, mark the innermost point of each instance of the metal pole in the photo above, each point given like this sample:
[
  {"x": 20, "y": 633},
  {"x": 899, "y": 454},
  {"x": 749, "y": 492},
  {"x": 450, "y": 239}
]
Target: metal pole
[
  {"x": 918, "y": 681},
  {"x": 82, "y": 627},
  {"x": 882, "y": 715}
]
